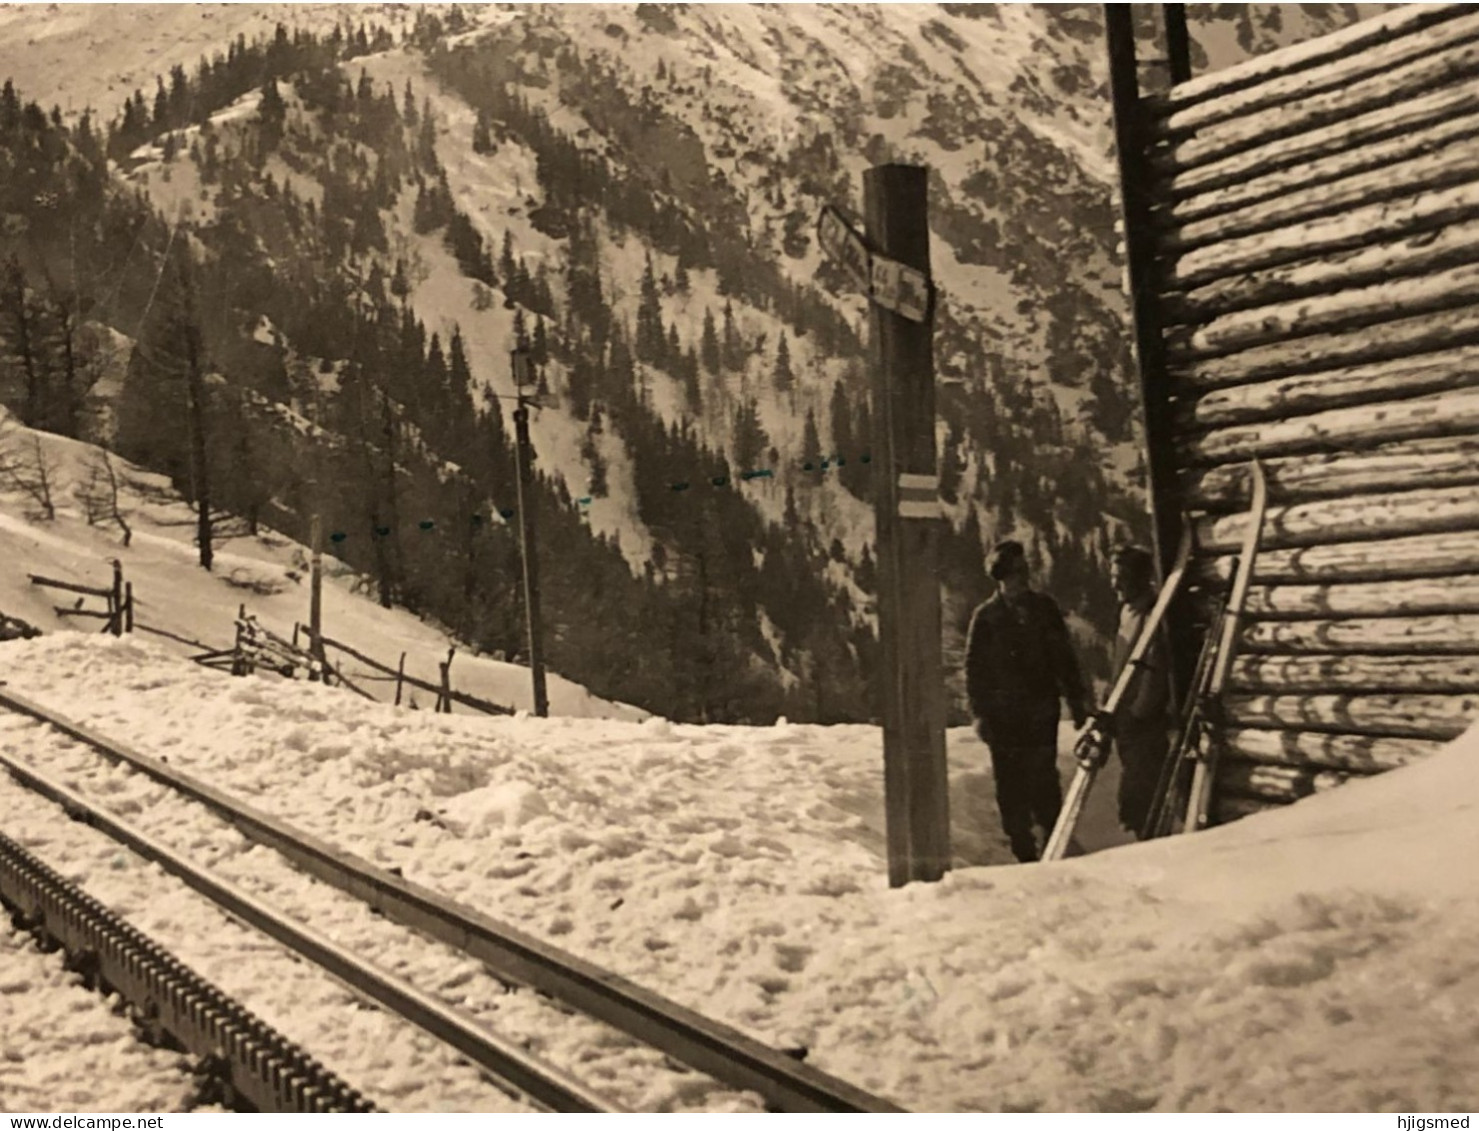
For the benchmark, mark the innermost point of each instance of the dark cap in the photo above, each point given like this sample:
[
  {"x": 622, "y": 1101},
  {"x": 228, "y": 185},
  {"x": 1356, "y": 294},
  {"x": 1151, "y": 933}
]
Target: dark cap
[
  {"x": 1135, "y": 565},
  {"x": 1005, "y": 558}
]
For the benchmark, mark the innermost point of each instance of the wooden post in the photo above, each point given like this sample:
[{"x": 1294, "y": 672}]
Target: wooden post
[
  {"x": 907, "y": 513},
  {"x": 128, "y": 606},
  {"x": 1178, "y": 42},
  {"x": 528, "y": 545},
  {"x": 115, "y": 600},
  {"x": 1136, "y": 199},
  {"x": 400, "y": 679},
  {"x": 316, "y": 590},
  {"x": 444, "y": 697}
]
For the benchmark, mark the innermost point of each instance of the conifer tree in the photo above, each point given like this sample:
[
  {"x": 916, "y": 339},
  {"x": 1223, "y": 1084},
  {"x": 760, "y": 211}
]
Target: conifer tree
[
  {"x": 733, "y": 344},
  {"x": 749, "y": 438},
  {"x": 811, "y": 443},
  {"x": 709, "y": 345},
  {"x": 482, "y": 134},
  {"x": 782, "y": 377}
]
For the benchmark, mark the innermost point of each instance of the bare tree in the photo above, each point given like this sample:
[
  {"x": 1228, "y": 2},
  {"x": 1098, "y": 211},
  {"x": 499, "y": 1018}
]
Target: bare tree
[
  {"x": 98, "y": 495},
  {"x": 25, "y": 466}
]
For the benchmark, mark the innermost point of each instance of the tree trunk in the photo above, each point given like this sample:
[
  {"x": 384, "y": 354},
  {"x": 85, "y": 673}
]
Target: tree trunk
[
  {"x": 35, "y": 410},
  {"x": 389, "y": 560},
  {"x": 195, "y": 411}
]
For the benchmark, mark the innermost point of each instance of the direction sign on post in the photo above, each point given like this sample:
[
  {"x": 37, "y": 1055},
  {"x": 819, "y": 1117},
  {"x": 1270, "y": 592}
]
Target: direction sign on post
[
  {"x": 904, "y": 290},
  {"x": 846, "y": 245},
  {"x": 892, "y": 285}
]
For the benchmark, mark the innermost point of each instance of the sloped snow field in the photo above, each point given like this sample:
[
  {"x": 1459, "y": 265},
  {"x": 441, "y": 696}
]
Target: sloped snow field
[{"x": 1317, "y": 958}]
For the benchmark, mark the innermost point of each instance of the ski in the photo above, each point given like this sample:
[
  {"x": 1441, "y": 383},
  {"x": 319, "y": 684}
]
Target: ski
[
  {"x": 1171, "y": 785},
  {"x": 1091, "y": 745},
  {"x": 1199, "y": 801}
]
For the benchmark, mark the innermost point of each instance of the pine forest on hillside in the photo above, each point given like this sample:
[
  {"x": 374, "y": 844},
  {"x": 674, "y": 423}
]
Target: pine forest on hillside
[{"x": 278, "y": 278}]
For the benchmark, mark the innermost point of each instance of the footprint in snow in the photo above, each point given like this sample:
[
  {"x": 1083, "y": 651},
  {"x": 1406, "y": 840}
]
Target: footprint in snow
[{"x": 792, "y": 957}]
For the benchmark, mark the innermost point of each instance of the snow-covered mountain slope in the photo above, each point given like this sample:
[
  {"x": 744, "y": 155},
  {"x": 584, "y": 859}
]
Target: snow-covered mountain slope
[
  {"x": 1317, "y": 957},
  {"x": 633, "y": 190},
  {"x": 268, "y": 574}
]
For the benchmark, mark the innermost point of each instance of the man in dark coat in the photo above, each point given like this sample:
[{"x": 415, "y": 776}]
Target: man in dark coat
[
  {"x": 1139, "y": 725},
  {"x": 1019, "y": 665}
]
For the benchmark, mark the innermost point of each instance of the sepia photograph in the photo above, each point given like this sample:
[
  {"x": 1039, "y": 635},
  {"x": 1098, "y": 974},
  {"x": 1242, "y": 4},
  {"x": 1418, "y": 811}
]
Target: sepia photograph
[{"x": 739, "y": 558}]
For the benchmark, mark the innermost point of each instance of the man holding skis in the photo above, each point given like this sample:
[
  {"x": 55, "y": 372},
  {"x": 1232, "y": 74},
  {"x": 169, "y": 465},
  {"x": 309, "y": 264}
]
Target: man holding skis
[
  {"x": 1139, "y": 723},
  {"x": 1019, "y": 667}
]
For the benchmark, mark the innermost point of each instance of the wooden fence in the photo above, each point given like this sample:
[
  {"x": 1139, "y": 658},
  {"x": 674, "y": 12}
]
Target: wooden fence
[
  {"x": 118, "y": 600},
  {"x": 1316, "y": 246},
  {"x": 445, "y": 694}
]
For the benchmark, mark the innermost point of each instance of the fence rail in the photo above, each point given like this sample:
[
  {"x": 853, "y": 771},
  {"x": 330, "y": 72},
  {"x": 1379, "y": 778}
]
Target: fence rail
[{"x": 445, "y": 694}]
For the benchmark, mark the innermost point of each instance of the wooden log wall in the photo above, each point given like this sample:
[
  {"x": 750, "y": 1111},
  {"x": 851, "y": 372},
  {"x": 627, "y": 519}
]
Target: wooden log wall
[{"x": 1317, "y": 251}]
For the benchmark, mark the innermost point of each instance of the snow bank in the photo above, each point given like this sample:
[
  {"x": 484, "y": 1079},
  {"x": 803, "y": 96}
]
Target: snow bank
[{"x": 1318, "y": 958}]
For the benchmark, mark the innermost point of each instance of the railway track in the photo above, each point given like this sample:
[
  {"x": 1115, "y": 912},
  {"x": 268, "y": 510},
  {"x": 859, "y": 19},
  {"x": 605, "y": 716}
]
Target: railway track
[
  {"x": 663, "y": 1029},
  {"x": 250, "y": 1065}
]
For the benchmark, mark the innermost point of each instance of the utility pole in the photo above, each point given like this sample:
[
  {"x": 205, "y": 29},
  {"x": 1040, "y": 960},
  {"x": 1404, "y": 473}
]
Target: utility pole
[
  {"x": 1143, "y": 274},
  {"x": 316, "y": 543},
  {"x": 907, "y": 512},
  {"x": 528, "y": 547}
]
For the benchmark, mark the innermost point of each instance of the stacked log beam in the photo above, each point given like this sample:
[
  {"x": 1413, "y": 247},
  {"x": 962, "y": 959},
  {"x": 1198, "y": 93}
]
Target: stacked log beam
[
  {"x": 1390, "y": 153},
  {"x": 1434, "y": 717},
  {"x": 1404, "y": 255},
  {"x": 1356, "y": 672},
  {"x": 1387, "y": 559},
  {"x": 1372, "y": 128},
  {"x": 1427, "y": 510},
  {"x": 1442, "y": 57},
  {"x": 1450, "y": 413},
  {"x": 1401, "y": 337},
  {"x": 1319, "y": 243},
  {"x": 1424, "y": 596},
  {"x": 1347, "y": 753},
  {"x": 1443, "y": 461},
  {"x": 1353, "y": 44},
  {"x": 1286, "y": 397}
]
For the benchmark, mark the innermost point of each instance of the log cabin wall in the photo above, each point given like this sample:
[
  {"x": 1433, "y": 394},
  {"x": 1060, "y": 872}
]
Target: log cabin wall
[{"x": 1316, "y": 235}]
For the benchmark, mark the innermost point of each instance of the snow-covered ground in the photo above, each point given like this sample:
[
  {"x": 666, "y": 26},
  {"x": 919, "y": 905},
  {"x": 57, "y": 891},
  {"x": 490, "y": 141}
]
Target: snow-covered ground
[
  {"x": 58, "y": 1040},
  {"x": 268, "y": 575},
  {"x": 1314, "y": 958},
  {"x": 1318, "y": 957}
]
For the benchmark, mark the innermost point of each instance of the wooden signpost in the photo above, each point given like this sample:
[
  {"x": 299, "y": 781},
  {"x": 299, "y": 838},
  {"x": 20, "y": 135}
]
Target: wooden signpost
[{"x": 889, "y": 262}]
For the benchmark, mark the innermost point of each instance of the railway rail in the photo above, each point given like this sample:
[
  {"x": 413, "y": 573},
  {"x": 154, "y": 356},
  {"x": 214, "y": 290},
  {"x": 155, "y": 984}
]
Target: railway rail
[
  {"x": 702, "y": 1044},
  {"x": 250, "y": 1065}
]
